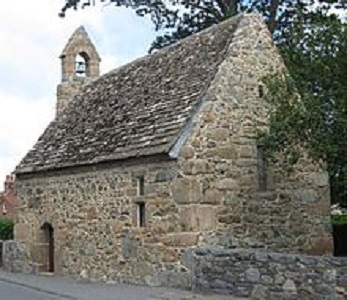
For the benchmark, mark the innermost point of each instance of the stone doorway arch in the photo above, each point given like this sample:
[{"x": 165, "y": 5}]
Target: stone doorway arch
[{"x": 47, "y": 247}]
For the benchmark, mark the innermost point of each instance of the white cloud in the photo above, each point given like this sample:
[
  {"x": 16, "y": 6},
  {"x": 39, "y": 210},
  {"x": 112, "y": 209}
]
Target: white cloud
[
  {"x": 31, "y": 39},
  {"x": 20, "y": 124}
]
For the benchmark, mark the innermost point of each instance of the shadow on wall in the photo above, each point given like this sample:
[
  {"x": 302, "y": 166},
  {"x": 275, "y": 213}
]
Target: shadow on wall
[{"x": 340, "y": 240}]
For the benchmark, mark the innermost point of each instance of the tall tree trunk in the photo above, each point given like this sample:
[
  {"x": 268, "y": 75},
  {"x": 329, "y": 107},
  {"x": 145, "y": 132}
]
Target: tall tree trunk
[
  {"x": 228, "y": 7},
  {"x": 272, "y": 23}
]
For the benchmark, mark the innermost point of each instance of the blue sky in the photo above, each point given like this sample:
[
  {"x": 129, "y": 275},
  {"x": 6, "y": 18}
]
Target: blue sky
[{"x": 32, "y": 37}]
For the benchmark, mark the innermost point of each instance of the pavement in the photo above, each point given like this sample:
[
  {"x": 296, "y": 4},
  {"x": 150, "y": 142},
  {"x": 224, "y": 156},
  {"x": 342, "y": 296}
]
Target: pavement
[
  {"x": 14, "y": 286},
  {"x": 10, "y": 291}
]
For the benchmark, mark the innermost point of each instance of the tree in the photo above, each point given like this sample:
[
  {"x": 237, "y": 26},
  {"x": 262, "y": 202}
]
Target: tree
[
  {"x": 317, "y": 119},
  {"x": 6, "y": 229},
  {"x": 177, "y": 19}
]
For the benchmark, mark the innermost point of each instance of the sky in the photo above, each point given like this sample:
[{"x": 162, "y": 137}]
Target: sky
[{"x": 32, "y": 37}]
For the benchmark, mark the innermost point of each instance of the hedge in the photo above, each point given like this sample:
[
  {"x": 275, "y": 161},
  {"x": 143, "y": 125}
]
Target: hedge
[
  {"x": 6, "y": 229},
  {"x": 339, "y": 220}
]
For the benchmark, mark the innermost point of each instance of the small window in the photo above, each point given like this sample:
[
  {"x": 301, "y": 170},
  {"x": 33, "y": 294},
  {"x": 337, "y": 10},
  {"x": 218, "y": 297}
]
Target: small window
[
  {"x": 141, "y": 214},
  {"x": 261, "y": 91},
  {"x": 140, "y": 186},
  {"x": 262, "y": 168}
]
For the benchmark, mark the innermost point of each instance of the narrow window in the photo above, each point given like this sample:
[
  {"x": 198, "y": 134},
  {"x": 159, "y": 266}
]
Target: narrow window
[
  {"x": 140, "y": 186},
  {"x": 261, "y": 91},
  {"x": 4, "y": 210},
  {"x": 262, "y": 169},
  {"x": 141, "y": 214}
]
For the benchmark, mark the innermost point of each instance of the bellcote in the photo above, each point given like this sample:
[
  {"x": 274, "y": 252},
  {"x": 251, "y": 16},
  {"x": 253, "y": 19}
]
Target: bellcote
[
  {"x": 80, "y": 63},
  {"x": 79, "y": 57}
]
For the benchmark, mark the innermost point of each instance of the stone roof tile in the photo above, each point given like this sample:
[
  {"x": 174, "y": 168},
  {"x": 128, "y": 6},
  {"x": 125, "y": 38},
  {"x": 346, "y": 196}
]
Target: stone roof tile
[{"x": 136, "y": 110}]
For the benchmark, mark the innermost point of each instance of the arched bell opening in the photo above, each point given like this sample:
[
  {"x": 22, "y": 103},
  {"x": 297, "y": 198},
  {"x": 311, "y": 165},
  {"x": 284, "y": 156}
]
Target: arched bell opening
[{"x": 82, "y": 64}]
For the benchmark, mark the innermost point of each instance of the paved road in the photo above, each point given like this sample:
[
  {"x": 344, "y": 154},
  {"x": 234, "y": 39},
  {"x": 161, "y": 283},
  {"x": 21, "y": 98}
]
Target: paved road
[
  {"x": 10, "y": 291},
  {"x": 29, "y": 287}
]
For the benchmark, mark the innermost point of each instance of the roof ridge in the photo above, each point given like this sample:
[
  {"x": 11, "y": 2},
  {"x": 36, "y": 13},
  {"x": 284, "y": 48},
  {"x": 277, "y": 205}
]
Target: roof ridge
[{"x": 169, "y": 47}]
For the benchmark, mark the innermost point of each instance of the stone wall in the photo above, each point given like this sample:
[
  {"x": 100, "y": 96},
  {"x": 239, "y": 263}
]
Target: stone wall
[
  {"x": 16, "y": 257},
  {"x": 66, "y": 91},
  {"x": 94, "y": 214},
  {"x": 267, "y": 276},
  {"x": 95, "y": 220},
  {"x": 219, "y": 162}
]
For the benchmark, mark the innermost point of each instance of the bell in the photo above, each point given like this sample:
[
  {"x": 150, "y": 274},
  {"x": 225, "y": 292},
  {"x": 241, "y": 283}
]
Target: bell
[{"x": 80, "y": 68}]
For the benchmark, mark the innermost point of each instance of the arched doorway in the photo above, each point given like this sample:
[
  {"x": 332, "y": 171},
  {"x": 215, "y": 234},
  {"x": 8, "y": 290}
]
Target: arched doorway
[{"x": 48, "y": 244}]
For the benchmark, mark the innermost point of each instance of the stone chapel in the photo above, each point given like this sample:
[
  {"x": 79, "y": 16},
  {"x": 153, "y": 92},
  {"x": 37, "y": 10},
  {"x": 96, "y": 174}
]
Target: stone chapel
[{"x": 160, "y": 156}]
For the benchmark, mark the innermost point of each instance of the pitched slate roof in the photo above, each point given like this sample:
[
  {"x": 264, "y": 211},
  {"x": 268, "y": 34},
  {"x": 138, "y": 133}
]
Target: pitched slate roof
[{"x": 136, "y": 110}]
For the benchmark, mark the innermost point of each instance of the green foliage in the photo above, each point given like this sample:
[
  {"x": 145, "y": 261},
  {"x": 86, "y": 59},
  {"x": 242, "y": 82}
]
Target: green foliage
[
  {"x": 6, "y": 229},
  {"x": 339, "y": 220},
  {"x": 177, "y": 19},
  {"x": 317, "y": 119},
  {"x": 286, "y": 113}
]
